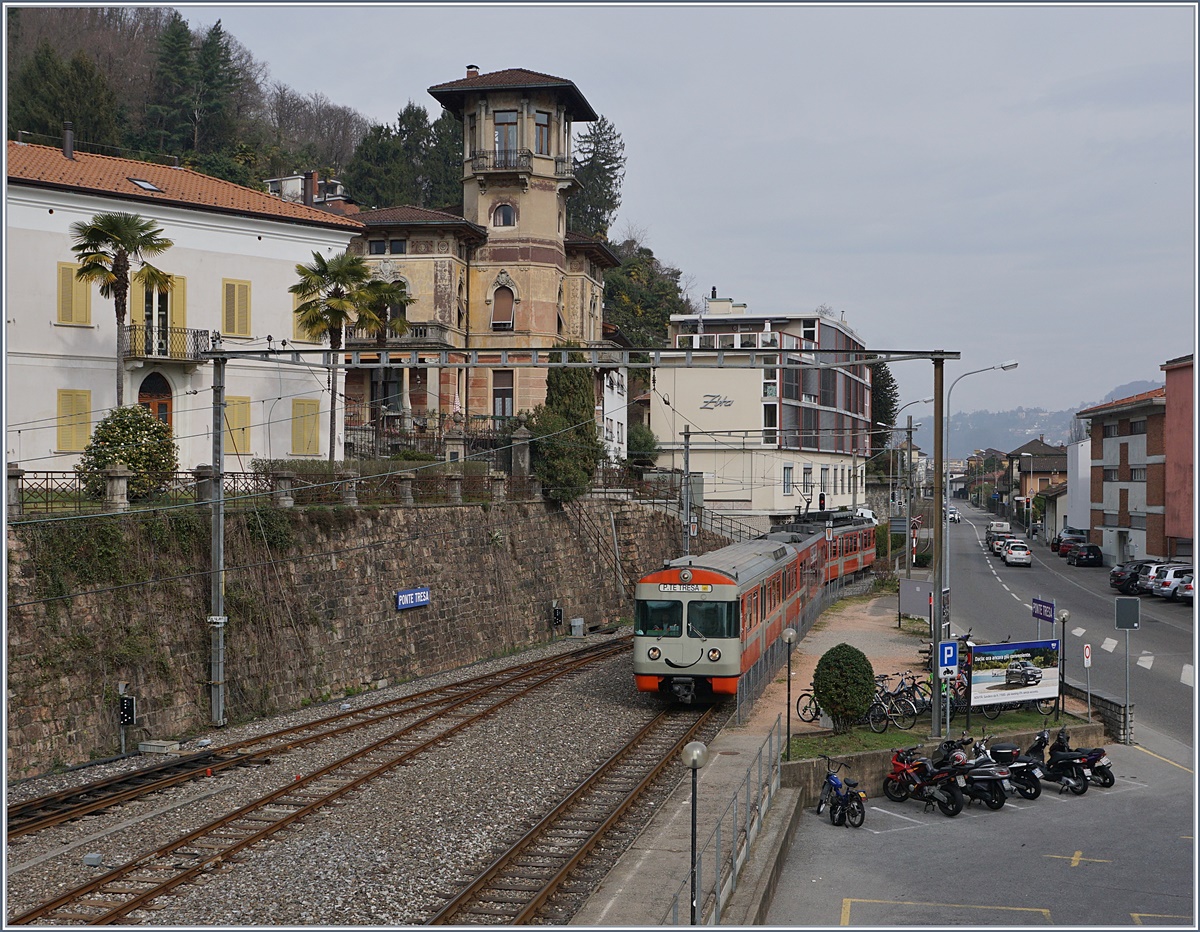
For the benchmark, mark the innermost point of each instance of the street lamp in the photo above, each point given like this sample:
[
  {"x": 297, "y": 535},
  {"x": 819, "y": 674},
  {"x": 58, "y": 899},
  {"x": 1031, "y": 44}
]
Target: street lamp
[
  {"x": 1005, "y": 366},
  {"x": 1064, "y": 616},
  {"x": 694, "y": 755},
  {"x": 789, "y": 636},
  {"x": 920, "y": 401}
]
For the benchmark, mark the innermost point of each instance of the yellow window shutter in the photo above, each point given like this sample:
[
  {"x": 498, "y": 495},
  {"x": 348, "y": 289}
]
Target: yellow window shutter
[
  {"x": 178, "y": 302},
  {"x": 229, "y": 310},
  {"x": 237, "y": 425},
  {"x": 298, "y": 331},
  {"x": 305, "y": 427},
  {"x": 74, "y": 419},
  {"x": 74, "y": 297},
  {"x": 243, "y": 308}
]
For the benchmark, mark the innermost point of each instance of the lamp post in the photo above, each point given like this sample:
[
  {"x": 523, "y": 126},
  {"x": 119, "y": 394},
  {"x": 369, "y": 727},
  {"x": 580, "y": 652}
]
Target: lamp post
[
  {"x": 694, "y": 755},
  {"x": 920, "y": 401},
  {"x": 789, "y": 636},
  {"x": 1005, "y": 366},
  {"x": 1064, "y": 616}
]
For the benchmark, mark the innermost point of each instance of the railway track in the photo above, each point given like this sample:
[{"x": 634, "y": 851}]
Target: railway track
[
  {"x": 43, "y": 812},
  {"x": 132, "y": 887},
  {"x": 522, "y": 879}
]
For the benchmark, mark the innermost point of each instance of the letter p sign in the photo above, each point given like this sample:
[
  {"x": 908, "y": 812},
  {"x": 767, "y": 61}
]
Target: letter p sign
[{"x": 948, "y": 657}]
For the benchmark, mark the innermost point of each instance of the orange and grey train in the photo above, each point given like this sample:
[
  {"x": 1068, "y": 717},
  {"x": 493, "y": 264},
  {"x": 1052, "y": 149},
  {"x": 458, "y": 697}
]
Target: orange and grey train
[{"x": 702, "y": 621}]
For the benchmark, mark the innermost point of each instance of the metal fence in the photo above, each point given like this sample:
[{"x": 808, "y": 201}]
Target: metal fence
[{"x": 719, "y": 861}]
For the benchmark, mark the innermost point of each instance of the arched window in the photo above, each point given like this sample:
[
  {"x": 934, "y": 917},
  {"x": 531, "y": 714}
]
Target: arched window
[
  {"x": 504, "y": 216},
  {"x": 502, "y": 309},
  {"x": 154, "y": 395},
  {"x": 462, "y": 306}
]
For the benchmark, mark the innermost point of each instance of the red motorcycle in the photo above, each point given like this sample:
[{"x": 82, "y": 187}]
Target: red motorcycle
[{"x": 918, "y": 777}]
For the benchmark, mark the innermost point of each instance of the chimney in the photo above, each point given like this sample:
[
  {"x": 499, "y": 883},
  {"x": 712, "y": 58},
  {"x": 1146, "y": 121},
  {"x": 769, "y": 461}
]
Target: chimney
[
  {"x": 714, "y": 293},
  {"x": 69, "y": 140},
  {"x": 310, "y": 188},
  {"x": 472, "y": 71}
]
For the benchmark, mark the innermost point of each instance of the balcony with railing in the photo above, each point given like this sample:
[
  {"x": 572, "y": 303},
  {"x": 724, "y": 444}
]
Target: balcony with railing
[
  {"x": 425, "y": 333},
  {"x": 166, "y": 344},
  {"x": 501, "y": 160}
]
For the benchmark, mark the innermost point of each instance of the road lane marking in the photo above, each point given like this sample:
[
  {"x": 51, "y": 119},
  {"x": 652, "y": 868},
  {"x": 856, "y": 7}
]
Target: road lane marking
[
  {"x": 849, "y": 902},
  {"x": 1076, "y": 858},
  {"x": 896, "y": 814},
  {"x": 1004, "y": 586},
  {"x": 1186, "y": 677},
  {"x": 1110, "y": 644},
  {"x": 1079, "y": 632},
  {"x": 1146, "y": 661}
]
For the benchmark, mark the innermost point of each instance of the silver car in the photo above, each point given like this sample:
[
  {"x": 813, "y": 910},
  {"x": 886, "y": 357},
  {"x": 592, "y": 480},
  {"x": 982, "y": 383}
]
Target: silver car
[
  {"x": 1166, "y": 580},
  {"x": 1017, "y": 553}
]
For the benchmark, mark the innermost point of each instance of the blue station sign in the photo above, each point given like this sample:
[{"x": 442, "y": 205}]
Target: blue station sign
[
  {"x": 1043, "y": 610},
  {"x": 412, "y": 598}
]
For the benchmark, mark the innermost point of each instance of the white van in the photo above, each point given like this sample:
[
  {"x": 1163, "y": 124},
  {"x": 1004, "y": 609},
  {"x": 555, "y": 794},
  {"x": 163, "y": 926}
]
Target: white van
[{"x": 996, "y": 527}]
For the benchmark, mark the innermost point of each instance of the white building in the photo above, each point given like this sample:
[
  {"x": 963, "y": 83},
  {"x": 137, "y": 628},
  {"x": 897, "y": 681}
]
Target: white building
[
  {"x": 234, "y": 256},
  {"x": 769, "y": 442}
]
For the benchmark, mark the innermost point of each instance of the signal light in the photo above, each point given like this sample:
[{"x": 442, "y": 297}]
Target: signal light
[{"x": 821, "y": 501}]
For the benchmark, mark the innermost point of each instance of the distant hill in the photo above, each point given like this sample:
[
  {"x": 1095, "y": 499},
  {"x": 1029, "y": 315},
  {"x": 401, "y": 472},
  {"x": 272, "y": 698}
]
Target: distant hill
[{"x": 1007, "y": 430}]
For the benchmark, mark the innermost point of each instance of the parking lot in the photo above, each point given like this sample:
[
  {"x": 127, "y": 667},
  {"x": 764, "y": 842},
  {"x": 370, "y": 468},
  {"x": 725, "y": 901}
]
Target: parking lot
[{"x": 1113, "y": 857}]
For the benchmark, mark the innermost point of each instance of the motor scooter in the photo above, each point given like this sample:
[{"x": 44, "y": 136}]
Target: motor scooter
[
  {"x": 1068, "y": 769},
  {"x": 984, "y": 779},
  {"x": 1097, "y": 759},
  {"x": 1025, "y": 772}
]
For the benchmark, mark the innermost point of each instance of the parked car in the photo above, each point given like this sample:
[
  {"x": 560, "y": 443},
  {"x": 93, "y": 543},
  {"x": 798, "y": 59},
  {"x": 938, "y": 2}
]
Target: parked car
[
  {"x": 1022, "y": 673},
  {"x": 1124, "y": 576},
  {"x": 1187, "y": 589},
  {"x": 1086, "y": 555},
  {"x": 1067, "y": 531},
  {"x": 1146, "y": 577},
  {"x": 1066, "y": 542},
  {"x": 1166, "y": 580},
  {"x": 1017, "y": 553}
]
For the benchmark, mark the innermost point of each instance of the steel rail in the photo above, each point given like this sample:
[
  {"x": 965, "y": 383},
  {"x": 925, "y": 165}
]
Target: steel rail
[
  {"x": 509, "y": 874},
  {"x": 207, "y": 846},
  {"x": 43, "y": 812}
]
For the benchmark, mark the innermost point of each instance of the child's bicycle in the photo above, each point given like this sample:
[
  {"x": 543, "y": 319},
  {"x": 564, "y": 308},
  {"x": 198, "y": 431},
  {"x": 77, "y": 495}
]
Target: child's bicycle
[{"x": 847, "y": 805}]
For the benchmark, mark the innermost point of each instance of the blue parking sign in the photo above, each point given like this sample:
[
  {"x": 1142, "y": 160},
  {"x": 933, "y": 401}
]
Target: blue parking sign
[{"x": 948, "y": 655}]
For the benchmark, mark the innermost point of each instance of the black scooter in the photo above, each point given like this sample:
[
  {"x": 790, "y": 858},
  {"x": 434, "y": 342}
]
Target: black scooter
[
  {"x": 1097, "y": 759},
  {"x": 1025, "y": 772},
  {"x": 1068, "y": 769},
  {"x": 983, "y": 778}
]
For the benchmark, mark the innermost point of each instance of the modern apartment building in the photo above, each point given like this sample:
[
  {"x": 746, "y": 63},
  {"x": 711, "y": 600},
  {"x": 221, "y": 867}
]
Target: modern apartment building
[{"x": 769, "y": 442}]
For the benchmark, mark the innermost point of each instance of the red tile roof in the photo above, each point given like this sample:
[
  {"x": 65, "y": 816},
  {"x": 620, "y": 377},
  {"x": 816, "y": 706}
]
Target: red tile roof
[
  {"x": 407, "y": 215},
  {"x": 1129, "y": 402},
  {"x": 452, "y": 93},
  {"x": 106, "y": 176}
]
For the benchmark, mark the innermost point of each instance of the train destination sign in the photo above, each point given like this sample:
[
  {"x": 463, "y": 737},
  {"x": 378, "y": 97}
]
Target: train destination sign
[
  {"x": 682, "y": 587},
  {"x": 411, "y": 598}
]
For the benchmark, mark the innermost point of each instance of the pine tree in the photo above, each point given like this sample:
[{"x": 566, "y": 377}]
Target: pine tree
[
  {"x": 885, "y": 397},
  {"x": 599, "y": 171},
  {"x": 168, "y": 125},
  {"x": 385, "y": 170},
  {"x": 214, "y": 83},
  {"x": 442, "y": 166},
  {"x": 48, "y": 91},
  {"x": 641, "y": 294}
]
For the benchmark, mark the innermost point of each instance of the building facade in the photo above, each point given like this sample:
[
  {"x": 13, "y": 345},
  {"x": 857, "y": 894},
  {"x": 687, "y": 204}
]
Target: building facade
[
  {"x": 1128, "y": 476},
  {"x": 234, "y": 256},
  {"x": 770, "y": 442},
  {"x": 1179, "y": 445}
]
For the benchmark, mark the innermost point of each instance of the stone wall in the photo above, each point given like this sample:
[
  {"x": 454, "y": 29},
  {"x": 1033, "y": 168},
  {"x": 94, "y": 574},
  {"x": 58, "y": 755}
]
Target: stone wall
[{"x": 311, "y": 608}]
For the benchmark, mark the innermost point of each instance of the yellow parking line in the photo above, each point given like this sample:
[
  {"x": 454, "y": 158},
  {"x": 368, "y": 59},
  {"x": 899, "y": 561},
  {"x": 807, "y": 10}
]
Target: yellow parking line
[
  {"x": 1163, "y": 759},
  {"x": 1138, "y": 917},
  {"x": 1076, "y": 858},
  {"x": 848, "y": 902}
]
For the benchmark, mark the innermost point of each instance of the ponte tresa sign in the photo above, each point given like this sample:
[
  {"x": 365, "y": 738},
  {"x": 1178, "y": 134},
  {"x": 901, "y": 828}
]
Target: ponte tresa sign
[{"x": 412, "y": 598}]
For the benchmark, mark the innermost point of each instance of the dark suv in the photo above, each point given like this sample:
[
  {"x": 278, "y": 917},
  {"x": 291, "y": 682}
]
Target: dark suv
[
  {"x": 1124, "y": 578},
  {"x": 1086, "y": 555},
  {"x": 1022, "y": 673}
]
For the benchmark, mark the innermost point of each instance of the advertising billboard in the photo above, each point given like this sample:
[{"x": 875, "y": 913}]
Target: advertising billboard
[{"x": 1014, "y": 672}]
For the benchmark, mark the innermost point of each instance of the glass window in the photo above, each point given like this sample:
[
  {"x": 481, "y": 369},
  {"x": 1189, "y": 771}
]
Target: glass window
[
  {"x": 398, "y": 247},
  {"x": 713, "y": 619},
  {"x": 1111, "y": 475},
  {"x": 1138, "y": 474},
  {"x": 502, "y": 393},
  {"x": 770, "y": 423},
  {"x": 1110, "y": 430},
  {"x": 506, "y": 133},
  {"x": 542, "y": 135},
  {"x": 787, "y": 479},
  {"x": 504, "y": 216},
  {"x": 658, "y": 618},
  {"x": 502, "y": 309},
  {"x": 377, "y": 247},
  {"x": 1137, "y": 427}
]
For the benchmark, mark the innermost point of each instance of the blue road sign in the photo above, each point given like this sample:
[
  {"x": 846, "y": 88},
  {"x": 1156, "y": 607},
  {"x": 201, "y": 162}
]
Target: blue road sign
[
  {"x": 412, "y": 598},
  {"x": 948, "y": 655},
  {"x": 1043, "y": 610}
]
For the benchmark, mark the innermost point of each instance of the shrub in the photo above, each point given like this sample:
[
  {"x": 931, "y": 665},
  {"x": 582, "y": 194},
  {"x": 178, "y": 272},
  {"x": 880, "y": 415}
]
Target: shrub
[
  {"x": 135, "y": 437},
  {"x": 643, "y": 445},
  {"x": 844, "y": 685}
]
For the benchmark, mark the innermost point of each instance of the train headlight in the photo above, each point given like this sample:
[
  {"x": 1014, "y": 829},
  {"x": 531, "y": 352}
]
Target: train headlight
[
  {"x": 714, "y": 655},
  {"x": 654, "y": 653},
  {"x": 685, "y": 575}
]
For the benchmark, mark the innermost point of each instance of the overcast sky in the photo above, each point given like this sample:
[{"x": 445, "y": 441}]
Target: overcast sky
[{"x": 1002, "y": 182}]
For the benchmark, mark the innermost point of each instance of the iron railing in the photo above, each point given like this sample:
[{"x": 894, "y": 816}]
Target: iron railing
[
  {"x": 418, "y": 334},
  {"x": 168, "y": 343},
  {"x": 493, "y": 160}
]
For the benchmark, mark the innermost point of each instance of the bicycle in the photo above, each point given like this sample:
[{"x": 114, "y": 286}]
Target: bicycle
[
  {"x": 847, "y": 805},
  {"x": 915, "y": 689},
  {"x": 807, "y": 709},
  {"x": 890, "y": 706}
]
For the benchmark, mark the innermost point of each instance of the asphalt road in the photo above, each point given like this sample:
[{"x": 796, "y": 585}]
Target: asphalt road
[
  {"x": 995, "y": 601},
  {"x": 1120, "y": 856}
]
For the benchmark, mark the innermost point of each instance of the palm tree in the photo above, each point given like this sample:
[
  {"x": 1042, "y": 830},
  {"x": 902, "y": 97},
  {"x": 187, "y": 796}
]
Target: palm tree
[
  {"x": 107, "y": 246},
  {"x": 331, "y": 289},
  {"x": 378, "y": 302}
]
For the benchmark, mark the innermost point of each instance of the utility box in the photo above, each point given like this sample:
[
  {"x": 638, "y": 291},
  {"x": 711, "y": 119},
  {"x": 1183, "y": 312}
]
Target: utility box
[{"x": 576, "y": 627}]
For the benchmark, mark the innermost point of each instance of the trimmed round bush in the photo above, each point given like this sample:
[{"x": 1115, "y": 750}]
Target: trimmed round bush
[
  {"x": 844, "y": 685},
  {"x": 135, "y": 437}
]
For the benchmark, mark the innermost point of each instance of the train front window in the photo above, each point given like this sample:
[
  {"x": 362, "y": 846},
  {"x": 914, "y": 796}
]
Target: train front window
[
  {"x": 713, "y": 619},
  {"x": 658, "y": 618}
]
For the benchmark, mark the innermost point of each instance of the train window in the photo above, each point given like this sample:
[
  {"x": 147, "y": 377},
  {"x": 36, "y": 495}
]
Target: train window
[
  {"x": 713, "y": 619},
  {"x": 658, "y": 618}
]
